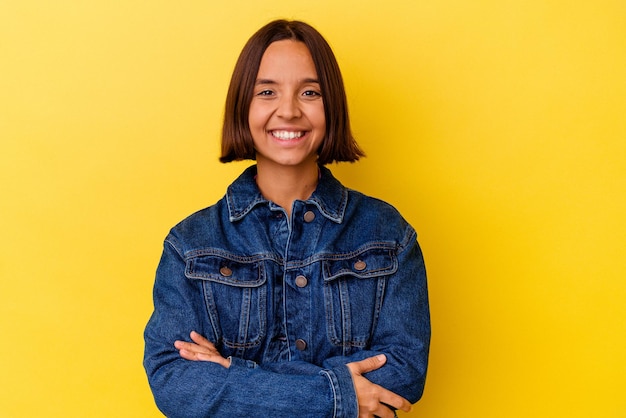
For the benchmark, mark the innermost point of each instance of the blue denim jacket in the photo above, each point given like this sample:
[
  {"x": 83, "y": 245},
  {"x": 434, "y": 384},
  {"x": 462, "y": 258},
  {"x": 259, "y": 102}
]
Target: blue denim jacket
[{"x": 291, "y": 301}]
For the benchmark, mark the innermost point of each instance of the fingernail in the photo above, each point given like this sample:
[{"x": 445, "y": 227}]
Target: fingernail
[{"x": 380, "y": 358}]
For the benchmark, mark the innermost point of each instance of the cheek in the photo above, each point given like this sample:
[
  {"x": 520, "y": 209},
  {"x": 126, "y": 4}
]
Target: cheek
[
  {"x": 319, "y": 118},
  {"x": 257, "y": 117},
  {"x": 253, "y": 119}
]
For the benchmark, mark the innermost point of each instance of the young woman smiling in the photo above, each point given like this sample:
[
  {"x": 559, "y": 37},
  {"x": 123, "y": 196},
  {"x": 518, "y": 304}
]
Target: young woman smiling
[{"x": 293, "y": 295}]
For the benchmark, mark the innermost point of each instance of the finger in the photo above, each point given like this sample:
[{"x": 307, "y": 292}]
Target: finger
[
  {"x": 395, "y": 401},
  {"x": 368, "y": 364},
  {"x": 384, "y": 411},
  {"x": 188, "y": 355},
  {"x": 195, "y": 352},
  {"x": 200, "y": 340},
  {"x": 195, "y": 355},
  {"x": 212, "y": 358},
  {"x": 195, "y": 348},
  {"x": 392, "y": 410},
  {"x": 191, "y": 347}
]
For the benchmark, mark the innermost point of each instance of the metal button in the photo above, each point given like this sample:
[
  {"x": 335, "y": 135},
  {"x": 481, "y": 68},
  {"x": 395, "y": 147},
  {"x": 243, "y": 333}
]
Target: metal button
[
  {"x": 360, "y": 265},
  {"x": 225, "y": 271},
  {"x": 300, "y": 344},
  {"x": 301, "y": 281},
  {"x": 309, "y": 216}
]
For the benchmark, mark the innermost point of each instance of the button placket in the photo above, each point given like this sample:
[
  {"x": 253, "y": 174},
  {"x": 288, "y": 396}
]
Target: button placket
[{"x": 299, "y": 290}]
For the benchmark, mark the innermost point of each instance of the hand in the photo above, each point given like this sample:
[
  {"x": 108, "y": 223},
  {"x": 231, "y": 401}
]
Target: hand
[
  {"x": 200, "y": 350},
  {"x": 374, "y": 400}
]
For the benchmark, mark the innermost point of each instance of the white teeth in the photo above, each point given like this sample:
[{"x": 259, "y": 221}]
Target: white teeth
[{"x": 286, "y": 134}]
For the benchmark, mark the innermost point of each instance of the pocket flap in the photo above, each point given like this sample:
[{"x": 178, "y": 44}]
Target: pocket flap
[
  {"x": 373, "y": 262},
  {"x": 226, "y": 271}
]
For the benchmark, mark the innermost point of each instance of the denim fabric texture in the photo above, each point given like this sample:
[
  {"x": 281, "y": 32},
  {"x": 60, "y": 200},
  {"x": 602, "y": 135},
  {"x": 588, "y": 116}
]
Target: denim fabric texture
[{"x": 291, "y": 301}]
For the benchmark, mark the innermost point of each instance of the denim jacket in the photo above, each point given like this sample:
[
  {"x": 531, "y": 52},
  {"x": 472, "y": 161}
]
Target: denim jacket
[{"x": 291, "y": 302}]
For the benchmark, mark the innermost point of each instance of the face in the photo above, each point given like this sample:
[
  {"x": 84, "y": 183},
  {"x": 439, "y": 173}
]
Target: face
[{"x": 287, "y": 111}]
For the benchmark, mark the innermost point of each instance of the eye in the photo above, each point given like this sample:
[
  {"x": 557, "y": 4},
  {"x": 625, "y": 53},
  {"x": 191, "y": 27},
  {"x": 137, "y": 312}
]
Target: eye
[
  {"x": 265, "y": 93},
  {"x": 312, "y": 93}
]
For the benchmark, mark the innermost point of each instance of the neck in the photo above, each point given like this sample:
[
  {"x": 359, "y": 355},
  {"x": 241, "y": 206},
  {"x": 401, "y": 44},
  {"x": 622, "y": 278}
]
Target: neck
[{"x": 285, "y": 184}]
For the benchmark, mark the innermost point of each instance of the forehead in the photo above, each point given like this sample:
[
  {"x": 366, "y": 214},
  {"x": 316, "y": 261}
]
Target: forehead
[{"x": 285, "y": 57}]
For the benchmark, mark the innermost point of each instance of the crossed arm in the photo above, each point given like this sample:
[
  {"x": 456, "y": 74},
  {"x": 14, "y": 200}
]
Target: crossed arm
[
  {"x": 373, "y": 400},
  {"x": 359, "y": 384}
]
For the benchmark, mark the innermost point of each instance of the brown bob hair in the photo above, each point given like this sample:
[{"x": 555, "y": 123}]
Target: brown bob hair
[{"x": 338, "y": 144}]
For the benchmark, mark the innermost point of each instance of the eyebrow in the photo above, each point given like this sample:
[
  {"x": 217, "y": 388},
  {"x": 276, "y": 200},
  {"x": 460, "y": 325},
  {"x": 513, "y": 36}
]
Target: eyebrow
[{"x": 262, "y": 81}]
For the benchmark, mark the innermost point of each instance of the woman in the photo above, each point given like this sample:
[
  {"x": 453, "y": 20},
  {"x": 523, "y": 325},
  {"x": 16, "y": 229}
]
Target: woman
[{"x": 291, "y": 296}]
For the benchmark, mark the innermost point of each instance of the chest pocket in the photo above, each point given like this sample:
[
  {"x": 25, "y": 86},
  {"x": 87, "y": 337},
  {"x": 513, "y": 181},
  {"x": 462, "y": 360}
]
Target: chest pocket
[
  {"x": 354, "y": 286},
  {"x": 235, "y": 294}
]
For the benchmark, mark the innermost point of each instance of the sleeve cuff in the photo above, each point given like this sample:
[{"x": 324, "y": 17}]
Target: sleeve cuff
[
  {"x": 342, "y": 387},
  {"x": 235, "y": 361}
]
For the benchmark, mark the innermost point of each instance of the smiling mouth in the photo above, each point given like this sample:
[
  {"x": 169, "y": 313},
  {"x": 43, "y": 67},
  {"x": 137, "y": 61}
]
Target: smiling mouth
[{"x": 287, "y": 135}]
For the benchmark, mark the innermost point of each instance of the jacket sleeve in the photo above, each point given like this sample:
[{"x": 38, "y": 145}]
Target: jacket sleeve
[
  {"x": 183, "y": 388},
  {"x": 403, "y": 330}
]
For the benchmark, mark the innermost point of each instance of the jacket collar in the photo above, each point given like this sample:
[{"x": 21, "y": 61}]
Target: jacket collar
[{"x": 330, "y": 196}]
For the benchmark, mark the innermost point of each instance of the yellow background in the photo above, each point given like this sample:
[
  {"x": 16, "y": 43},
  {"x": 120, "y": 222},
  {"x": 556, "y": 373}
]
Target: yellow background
[{"x": 498, "y": 129}]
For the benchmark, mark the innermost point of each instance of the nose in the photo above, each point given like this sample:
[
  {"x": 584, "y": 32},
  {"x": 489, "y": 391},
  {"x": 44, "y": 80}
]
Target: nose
[{"x": 288, "y": 107}]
